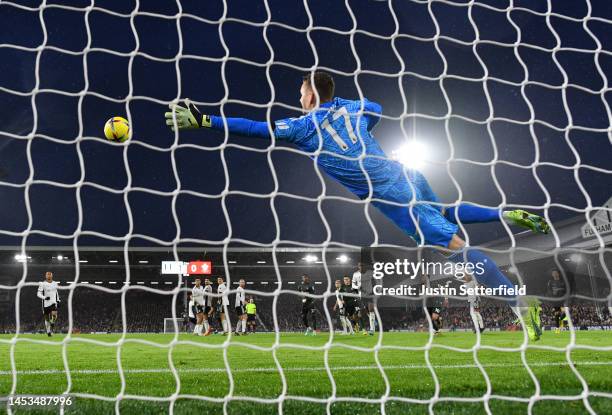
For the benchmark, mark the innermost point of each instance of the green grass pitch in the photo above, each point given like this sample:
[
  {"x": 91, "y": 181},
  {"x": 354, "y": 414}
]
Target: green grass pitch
[{"x": 201, "y": 367}]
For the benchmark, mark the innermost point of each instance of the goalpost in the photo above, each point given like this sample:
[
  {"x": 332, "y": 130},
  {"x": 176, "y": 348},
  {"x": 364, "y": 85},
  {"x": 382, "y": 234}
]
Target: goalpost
[
  {"x": 508, "y": 70},
  {"x": 175, "y": 325}
]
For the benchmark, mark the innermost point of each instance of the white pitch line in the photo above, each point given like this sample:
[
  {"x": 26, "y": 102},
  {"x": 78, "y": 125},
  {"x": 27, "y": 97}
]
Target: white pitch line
[{"x": 296, "y": 369}]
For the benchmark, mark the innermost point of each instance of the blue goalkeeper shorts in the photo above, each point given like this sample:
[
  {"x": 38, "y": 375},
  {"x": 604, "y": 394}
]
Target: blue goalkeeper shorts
[{"x": 434, "y": 228}]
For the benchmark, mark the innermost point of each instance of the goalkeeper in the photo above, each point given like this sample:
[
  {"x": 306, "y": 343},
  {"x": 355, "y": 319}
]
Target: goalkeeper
[{"x": 342, "y": 130}]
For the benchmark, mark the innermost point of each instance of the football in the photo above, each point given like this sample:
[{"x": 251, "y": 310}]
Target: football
[{"x": 117, "y": 129}]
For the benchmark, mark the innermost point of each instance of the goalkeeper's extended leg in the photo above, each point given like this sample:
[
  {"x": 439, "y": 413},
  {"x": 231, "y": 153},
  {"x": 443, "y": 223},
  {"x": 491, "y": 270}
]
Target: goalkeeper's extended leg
[
  {"x": 493, "y": 277},
  {"x": 436, "y": 229},
  {"x": 527, "y": 220},
  {"x": 465, "y": 213},
  {"x": 531, "y": 319}
]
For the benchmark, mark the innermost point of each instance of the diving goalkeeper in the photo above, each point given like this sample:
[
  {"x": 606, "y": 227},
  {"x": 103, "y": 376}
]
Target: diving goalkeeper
[{"x": 342, "y": 130}]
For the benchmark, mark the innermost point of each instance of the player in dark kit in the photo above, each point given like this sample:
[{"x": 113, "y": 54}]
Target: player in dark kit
[
  {"x": 351, "y": 301},
  {"x": 561, "y": 319},
  {"x": 434, "y": 306},
  {"x": 435, "y": 312},
  {"x": 308, "y": 308},
  {"x": 556, "y": 288}
]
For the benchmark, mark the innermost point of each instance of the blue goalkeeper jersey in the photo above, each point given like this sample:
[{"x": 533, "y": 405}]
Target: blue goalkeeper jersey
[{"x": 344, "y": 129}]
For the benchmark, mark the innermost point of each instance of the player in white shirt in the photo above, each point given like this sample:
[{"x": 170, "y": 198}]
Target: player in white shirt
[
  {"x": 191, "y": 310},
  {"x": 199, "y": 301},
  {"x": 365, "y": 307},
  {"x": 48, "y": 293},
  {"x": 207, "y": 307},
  {"x": 239, "y": 304},
  {"x": 474, "y": 301},
  {"x": 356, "y": 280},
  {"x": 222, "y": 304},
  {"x": 341, "y": 310}
]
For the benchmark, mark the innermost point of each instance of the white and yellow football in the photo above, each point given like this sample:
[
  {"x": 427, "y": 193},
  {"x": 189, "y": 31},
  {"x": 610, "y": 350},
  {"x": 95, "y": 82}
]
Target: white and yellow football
[{"x": 117, "y": 129}]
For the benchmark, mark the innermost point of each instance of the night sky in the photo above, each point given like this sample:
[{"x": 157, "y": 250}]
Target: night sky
[{"x": 534, "y": 120}]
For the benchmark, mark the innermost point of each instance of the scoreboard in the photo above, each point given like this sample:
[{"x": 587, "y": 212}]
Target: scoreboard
[{"x": 187, "y": 268}]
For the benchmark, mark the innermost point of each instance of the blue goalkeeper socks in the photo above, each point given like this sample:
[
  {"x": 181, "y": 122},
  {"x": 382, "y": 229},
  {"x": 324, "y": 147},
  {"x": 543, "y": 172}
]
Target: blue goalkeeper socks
[
  {"x": 490, "y": 276},
  {"x": 472, "y": 214}
]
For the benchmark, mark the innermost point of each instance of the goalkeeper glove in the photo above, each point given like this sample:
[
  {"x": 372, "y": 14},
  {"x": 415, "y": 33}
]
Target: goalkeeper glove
[{"x": 187, "y": 117}]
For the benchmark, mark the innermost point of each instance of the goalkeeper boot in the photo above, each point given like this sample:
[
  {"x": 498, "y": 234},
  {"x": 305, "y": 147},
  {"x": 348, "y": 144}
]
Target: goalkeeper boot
[
  {"x": 536, "y": 308},
  {"x": 532, "y": 320},
  {"x": 527, "y": 220}
]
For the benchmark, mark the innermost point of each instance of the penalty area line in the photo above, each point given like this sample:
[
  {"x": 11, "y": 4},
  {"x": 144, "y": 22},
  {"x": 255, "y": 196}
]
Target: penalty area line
[{"x": 295, "y": 369}]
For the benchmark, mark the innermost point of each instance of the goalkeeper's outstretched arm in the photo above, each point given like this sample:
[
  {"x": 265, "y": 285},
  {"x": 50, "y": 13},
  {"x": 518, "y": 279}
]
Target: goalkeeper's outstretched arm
[{"x": 189, "y": 117}]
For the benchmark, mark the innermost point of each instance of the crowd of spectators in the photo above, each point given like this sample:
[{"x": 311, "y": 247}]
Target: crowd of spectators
[
  {"x": 143, "y": 311},
  {"x": 498, "y": 316}
]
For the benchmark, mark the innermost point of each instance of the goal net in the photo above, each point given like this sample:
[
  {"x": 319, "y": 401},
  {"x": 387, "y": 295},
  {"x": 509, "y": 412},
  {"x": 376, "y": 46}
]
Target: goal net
[{"x": 499, "y": 104}]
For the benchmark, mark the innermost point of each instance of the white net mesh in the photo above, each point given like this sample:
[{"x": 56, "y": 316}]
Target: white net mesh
[{"x": 522, "y": 75}]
